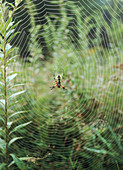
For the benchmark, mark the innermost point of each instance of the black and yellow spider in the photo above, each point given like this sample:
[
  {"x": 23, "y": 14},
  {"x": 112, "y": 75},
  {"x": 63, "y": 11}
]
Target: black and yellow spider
[{"x": 58, "y": 79}]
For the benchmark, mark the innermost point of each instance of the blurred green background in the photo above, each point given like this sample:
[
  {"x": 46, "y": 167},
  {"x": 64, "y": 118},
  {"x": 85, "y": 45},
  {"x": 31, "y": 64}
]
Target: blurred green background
[{"x": 81, "y": 127}]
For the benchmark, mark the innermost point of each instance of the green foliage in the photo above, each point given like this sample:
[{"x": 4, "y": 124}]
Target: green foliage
[
  {"x": 79, "y": 128},
  {"x": 56, "y": 32},
  {"x": 34, "y": 46},
  {"x": 8, "y": 97},
  {"x": 72, "y": 126}
]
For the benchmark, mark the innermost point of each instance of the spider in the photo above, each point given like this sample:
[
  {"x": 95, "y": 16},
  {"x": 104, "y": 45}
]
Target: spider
[{"x": 58, "y": 79}]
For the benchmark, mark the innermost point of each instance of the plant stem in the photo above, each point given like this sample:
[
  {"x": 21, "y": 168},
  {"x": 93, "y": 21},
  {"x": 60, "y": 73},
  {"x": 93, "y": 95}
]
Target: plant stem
[{"x": 6, "y": 104}]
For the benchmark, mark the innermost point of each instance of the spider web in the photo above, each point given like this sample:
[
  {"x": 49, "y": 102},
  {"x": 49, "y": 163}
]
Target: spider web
[{"x": 62, "y": 122}]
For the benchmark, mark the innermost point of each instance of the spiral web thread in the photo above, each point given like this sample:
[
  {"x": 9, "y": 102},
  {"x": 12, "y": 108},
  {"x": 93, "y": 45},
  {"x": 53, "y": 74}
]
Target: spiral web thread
[{"x": 99, "y": 63}]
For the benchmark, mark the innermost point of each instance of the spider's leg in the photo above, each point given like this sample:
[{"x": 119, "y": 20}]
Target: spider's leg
[
  {"x": 53, "y": 87},
  {"x": 63, "y": 87}
]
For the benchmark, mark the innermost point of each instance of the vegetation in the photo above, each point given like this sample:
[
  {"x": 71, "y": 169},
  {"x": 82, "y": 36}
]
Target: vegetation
[
  {"x": 77, "y": 128},
  {"x": 8, "y": 116}
]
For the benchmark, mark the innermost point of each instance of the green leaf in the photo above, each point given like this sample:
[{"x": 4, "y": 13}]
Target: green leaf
[
  {"x": 22, "y": 159},
  {"x": 16, "y": 85},
  {"x": 8, "y": 47},
  {"x": 12, "y": 28},
  {"x": 8, "y": 52},
  {"x": 16, "y": 113},
  {"x": 2, "y": 30},
  {"x": 10, "y": 25},
  {"x": 9, "y": 33},
  {"x": 1, "y": 47},
  {"x": 10, "y": 13},
  {"x": 11, "y": 77},
  {"x": 3, "y": 67},
  {"x": 1, "y": 119},
  {"x": 2, "y": 165},
  {"x": 116, "y": 139},
  {"x": 17, "y": 2},
  {"x": 2, "y": 103},
  {"x": 11, "y": 73},
  {"x": 16, "y": 94},
  {"x": 19, "y": 127},
  {"x": 1, "y": 84},
  {"x": 13, "y": 140},
  {"x": 2, "y": 133},
  {"x": 101, "y": 151},
  {"x": 17, "y": 161},
  {"x": 11, "y": 59},
  {"x": 9, "y": 124},
  {"x": 1, "y": 73},
  {"x": 1, "y": 38},
  {"x": 104, "y": 141},
  {"x": 2, "y": 144},
  {"x": 10, "y": 4},
  {"x": 8, "y": 22},
  {"x": 12, "y": 36},
  {"x": 16, "y": 102},
  {"x": 1, "y": 57}
]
